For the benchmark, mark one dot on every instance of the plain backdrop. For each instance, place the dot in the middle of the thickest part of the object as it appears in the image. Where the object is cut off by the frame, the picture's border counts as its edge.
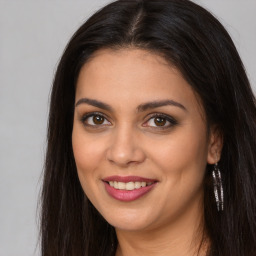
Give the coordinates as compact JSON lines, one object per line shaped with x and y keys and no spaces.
{"x":33,"y":35}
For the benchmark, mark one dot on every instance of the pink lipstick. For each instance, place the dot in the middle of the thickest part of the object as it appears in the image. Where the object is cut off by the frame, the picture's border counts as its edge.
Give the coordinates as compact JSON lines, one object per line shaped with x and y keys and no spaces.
{"x":128,"y":188}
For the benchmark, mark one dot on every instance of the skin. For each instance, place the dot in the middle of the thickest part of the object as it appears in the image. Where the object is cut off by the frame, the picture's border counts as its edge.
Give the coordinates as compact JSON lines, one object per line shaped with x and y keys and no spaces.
{"x":169,"y":219}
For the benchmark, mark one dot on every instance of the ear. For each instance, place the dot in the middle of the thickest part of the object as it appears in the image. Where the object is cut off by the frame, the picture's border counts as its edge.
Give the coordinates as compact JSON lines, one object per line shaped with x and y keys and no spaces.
{"x":215,"y":145}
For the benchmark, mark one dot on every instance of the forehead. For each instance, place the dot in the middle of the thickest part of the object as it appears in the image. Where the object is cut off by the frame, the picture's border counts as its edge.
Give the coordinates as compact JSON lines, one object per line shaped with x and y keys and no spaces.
{"x":125,"y":66}
{"x":132,"y":76}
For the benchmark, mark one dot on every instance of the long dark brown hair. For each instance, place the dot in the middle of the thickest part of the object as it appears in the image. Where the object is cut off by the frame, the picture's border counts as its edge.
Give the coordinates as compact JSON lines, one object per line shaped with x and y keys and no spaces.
{"x":193,"y":41}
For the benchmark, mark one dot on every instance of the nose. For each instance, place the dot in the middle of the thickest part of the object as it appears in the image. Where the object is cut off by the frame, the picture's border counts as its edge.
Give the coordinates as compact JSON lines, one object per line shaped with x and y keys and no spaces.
{"x":125,"y":148}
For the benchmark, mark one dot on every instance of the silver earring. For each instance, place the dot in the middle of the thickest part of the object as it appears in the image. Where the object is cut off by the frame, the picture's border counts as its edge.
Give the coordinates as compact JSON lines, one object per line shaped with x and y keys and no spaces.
{"x":218,"y":188}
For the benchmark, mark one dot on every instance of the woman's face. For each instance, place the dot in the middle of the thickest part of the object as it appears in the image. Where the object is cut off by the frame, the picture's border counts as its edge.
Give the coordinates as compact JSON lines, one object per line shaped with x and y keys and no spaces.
{"x":140,"y":140}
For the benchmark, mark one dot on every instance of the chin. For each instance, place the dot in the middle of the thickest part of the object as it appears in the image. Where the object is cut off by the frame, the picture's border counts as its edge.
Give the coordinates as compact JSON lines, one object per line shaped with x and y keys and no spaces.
{"x":129,"y":221}
{"x":128,"y":226}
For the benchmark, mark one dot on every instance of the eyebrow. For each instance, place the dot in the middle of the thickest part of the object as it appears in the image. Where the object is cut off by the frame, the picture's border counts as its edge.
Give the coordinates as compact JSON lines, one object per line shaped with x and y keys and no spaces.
{"x":140,"y":108}
{"x":94,"y":103}
{"x":159,"y":103}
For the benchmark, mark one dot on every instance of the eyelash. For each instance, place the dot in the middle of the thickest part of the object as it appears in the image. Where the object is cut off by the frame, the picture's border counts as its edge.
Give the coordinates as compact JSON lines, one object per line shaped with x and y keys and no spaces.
{"x":171,"y":120}
{"x":94,"y":114}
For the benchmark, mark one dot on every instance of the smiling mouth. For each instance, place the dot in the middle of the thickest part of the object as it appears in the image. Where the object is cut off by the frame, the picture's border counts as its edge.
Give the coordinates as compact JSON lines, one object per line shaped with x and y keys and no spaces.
{"x":128,"y":188}
{"x":129,"y":185}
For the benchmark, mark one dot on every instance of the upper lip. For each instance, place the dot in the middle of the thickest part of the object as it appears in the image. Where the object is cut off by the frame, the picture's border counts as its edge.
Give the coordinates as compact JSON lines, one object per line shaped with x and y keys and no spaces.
{"x":128,"y":179}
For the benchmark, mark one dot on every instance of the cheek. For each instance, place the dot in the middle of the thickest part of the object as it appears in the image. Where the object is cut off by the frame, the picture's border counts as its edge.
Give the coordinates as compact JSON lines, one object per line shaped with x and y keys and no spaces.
{"x":182,"y":162}
{"x":87,"y":154}
{"x":183,"y":156}
{"x":88,"y":151}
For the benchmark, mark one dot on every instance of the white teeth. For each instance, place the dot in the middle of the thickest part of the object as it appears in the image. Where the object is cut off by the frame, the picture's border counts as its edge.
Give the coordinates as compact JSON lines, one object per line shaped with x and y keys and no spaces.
{"x":121,"y":185}
{"x":143,"y":184}
{"x":129,"y":185}
{"x":116,"y":184}
{"x":137,"y":184}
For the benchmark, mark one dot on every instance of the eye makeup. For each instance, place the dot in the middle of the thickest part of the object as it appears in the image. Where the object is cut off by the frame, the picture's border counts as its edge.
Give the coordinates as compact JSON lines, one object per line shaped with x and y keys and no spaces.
{"x":160,"y":121}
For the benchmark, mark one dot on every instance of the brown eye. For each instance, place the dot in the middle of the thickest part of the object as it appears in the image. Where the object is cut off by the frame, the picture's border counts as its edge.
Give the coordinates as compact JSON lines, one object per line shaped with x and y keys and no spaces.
{"x":98,"y":119}
{"x":159,"y":121}
{"x":95,"y":120}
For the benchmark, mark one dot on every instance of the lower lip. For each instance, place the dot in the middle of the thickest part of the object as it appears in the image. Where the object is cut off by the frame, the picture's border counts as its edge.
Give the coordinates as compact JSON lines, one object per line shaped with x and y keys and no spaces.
{"x":128,"y":195}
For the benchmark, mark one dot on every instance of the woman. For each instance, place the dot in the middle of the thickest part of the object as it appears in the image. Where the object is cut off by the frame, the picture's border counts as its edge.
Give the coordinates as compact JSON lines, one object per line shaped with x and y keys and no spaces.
{"x":151,"y":139}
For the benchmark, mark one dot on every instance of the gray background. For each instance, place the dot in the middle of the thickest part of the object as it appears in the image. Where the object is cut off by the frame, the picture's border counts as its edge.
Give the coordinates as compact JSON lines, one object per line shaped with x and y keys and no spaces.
{"x":33,"y":35}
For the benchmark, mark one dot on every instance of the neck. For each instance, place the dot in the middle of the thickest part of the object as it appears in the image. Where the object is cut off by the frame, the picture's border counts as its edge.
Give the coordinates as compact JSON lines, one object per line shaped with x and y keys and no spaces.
{"x":183,"y":237}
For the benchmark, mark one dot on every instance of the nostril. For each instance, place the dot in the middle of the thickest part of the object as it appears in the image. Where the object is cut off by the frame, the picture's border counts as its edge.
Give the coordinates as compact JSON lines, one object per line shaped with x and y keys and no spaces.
{"x":124,"y":156}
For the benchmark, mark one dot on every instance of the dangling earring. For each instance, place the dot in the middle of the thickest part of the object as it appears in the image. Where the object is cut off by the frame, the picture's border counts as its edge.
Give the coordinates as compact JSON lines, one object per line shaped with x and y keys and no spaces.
{"x":218,"y":188}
